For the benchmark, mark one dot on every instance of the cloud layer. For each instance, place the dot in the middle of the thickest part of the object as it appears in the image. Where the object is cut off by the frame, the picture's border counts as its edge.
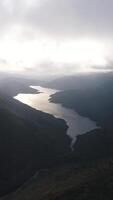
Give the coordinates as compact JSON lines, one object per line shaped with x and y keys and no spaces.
{"x":25,"y":22}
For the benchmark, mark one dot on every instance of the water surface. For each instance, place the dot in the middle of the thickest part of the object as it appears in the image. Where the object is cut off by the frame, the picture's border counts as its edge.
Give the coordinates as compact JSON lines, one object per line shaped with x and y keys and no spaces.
{"x":77,"y":124}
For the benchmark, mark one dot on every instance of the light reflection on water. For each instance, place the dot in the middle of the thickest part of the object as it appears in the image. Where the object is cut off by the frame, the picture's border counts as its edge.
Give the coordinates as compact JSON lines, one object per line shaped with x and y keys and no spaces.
{"x":77,"y":124}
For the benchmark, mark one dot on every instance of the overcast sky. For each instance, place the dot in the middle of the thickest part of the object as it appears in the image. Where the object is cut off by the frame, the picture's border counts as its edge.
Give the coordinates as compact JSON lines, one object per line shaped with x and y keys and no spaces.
{"x":56,"y":36}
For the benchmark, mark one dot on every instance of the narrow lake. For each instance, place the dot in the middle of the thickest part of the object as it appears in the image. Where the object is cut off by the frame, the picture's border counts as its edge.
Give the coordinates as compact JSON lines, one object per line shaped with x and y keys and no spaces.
{"x":77,"y":124}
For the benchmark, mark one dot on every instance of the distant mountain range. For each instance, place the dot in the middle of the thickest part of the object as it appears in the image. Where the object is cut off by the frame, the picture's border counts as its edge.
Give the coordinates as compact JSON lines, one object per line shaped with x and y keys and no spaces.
{"x":81,"y":81}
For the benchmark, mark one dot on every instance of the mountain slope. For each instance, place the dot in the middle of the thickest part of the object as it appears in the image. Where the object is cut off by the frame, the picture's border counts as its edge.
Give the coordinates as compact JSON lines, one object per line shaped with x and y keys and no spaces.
{"x":96,"y":103}
{"x":27,"y":143}
{"x":80,"y":81}
{"x":70,"y":182}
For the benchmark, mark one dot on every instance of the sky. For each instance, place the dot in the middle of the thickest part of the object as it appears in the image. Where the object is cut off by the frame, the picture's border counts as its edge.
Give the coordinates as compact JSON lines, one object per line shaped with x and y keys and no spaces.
{"x":62,"y":37}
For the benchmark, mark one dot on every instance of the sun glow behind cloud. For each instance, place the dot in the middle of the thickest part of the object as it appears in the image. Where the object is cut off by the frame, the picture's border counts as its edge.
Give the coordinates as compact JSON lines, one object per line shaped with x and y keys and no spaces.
{"x":60,"y":36}
{"x":83,"y":51}
{"x":27,"y":54}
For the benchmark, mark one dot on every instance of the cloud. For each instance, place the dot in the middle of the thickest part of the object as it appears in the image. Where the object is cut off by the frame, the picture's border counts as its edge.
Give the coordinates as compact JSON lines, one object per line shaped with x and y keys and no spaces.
{"x":25,"y":21}
{"x":59,"y":18}
{"x":69,"y":18}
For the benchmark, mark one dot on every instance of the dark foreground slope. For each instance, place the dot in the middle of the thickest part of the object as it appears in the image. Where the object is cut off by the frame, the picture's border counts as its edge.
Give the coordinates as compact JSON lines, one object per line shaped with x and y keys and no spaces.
{"x":29,"y":140}
{"x":93,"y":181}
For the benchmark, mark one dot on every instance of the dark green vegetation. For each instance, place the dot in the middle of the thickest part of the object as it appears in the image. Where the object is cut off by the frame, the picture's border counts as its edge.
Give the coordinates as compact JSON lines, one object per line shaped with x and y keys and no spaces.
{"x":32,"y":141}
